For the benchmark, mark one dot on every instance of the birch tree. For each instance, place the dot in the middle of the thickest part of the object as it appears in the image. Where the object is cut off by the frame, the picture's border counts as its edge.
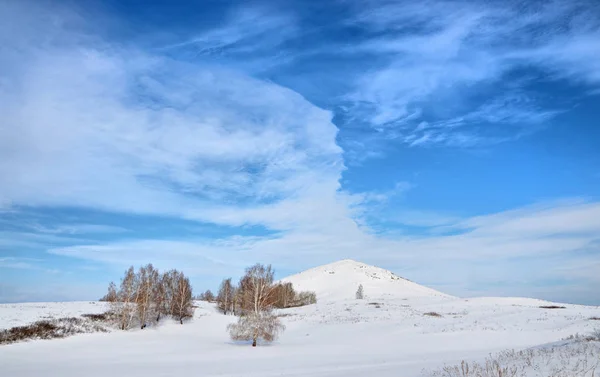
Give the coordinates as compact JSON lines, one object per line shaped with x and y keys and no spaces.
{"x":128,"y":293}
{"x":225,"y":296}
{"x":147,"y":282}
{"x":260,"y":287}
{"x":111,"y":295}
{"x":182,"y":298}
{"x":256,"y":320}
{"x":159,"y":296}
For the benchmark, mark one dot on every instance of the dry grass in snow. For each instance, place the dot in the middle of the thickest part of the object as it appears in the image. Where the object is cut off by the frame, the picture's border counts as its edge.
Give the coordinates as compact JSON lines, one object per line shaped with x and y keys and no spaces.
{"x":574,"y":358}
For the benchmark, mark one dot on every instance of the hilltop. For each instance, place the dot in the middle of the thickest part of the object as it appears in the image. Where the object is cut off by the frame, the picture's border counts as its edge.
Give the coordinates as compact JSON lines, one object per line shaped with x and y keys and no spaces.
{"x":340,"y":280}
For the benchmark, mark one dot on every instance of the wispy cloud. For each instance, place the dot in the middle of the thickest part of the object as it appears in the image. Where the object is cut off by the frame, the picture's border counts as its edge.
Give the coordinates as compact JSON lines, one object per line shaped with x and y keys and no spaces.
{"x":249,"y":37}
{"x":140,"y":133}
{"x":91,"y":123}
{"x":21,"y":263}
{"x":419,"y":62}
{"x":436,"y":54}
{"x":545,"y":235}
{"x":78,"y":229}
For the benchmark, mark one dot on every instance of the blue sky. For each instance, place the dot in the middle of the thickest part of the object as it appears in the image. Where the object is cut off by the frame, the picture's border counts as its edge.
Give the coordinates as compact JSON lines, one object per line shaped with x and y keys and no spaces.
{"x":455,"y":143}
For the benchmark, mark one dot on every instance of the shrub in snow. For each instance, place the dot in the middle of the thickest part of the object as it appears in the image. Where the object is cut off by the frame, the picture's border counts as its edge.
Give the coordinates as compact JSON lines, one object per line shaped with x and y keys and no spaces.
{"x":105,"y":317}
{"x":49,"y":329}
{"x":359,"y":293}
{"x":305,"y":298}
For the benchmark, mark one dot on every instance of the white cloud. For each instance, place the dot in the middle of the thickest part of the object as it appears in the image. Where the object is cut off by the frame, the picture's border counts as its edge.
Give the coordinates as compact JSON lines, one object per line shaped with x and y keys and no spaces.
{"x":244,"y":30}
{"x":86,"y":123}
{"x":92,"y":124}
{"x":519,"y":247}
{"x":22,"y":263}
{"x":79,"y":229}
{"x":434,"y":55}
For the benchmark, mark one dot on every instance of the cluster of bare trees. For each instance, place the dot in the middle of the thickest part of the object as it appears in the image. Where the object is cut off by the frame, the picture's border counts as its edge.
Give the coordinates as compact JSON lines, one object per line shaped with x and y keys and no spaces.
{"x":254,"y":299}
{"x":206,"y":296}
{"x":238,"y":299}
{"x":145,"y":296}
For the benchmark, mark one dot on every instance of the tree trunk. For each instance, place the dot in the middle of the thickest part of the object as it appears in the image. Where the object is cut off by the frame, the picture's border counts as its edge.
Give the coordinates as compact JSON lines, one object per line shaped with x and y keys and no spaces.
{"x":254,"y":342}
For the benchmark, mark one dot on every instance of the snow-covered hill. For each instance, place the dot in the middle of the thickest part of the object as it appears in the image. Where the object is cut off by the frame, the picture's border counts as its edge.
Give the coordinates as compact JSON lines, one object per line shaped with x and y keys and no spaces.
{"x":401,"y":329}
{"x":340,"y":280}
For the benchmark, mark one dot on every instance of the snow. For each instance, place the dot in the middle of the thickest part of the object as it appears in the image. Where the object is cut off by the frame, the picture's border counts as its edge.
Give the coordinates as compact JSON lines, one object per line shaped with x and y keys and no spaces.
{"x":340,"y":280}
{"x":387,"y":333}
{"x":12,"y":315}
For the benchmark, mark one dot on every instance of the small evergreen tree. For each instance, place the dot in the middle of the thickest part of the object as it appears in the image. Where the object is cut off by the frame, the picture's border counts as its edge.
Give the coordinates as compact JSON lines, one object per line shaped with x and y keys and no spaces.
{"x":359,"y":293}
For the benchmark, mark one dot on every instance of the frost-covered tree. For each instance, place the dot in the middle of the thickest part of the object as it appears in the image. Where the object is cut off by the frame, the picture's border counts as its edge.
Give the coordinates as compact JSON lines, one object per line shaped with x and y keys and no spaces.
{"x":256,"y":297}
{"x":360,"y":293}
{"x":256,"y":325}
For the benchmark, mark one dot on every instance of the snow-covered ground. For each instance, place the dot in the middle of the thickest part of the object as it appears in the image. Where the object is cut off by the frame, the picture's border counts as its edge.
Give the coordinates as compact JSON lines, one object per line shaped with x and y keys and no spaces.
{"x":387,"y":333}
{"x":12,"y":315}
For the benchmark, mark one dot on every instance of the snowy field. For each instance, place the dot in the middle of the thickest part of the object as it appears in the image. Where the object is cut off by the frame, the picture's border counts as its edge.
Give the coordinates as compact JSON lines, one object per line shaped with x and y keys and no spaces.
{"x":12,"y":315}
{"x":387,"y":333}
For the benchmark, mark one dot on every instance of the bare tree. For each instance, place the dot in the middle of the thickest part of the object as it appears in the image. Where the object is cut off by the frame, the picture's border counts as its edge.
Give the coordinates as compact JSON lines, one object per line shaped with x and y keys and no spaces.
{"x":111,"y":295}
{"x":260,"y":287}
{"x":359,"y":293}
{"x":208,"y":296}
{"x":169,"y":281}
{"x":254,"y":326}
{"x":148,"y":295}
{"x":159,"y":296}
{"x":237,"y":299}
{"x":147,"y":281}
{"x":284,"y":295}
{"x":243,"y":296}
{"x":127,"y":296}
{"x":182,"y":298}
{"x":225,"y":296}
